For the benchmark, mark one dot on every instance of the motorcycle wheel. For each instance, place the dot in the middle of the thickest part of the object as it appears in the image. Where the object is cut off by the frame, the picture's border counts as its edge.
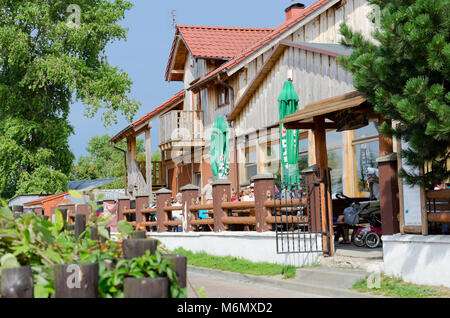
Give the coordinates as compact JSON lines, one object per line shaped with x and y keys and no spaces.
{"x":357,"y":240}
{"x":372,"y":240}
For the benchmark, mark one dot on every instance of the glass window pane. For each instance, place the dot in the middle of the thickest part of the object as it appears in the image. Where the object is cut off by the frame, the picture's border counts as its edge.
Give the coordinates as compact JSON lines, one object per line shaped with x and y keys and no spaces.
{"x":303,"y":145}
{"x":251,"y":171}
{"x":367,"y":131}
{"x":335,"y":162}
{"x":302,"y":163}
{"x":334,"y":139}
{"x":250,"y":155}
{"x":366,"y":155}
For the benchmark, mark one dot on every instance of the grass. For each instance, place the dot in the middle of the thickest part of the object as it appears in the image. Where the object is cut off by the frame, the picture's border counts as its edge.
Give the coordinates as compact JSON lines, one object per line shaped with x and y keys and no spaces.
{"x":237,"y":265}
{"x":397,"y":288}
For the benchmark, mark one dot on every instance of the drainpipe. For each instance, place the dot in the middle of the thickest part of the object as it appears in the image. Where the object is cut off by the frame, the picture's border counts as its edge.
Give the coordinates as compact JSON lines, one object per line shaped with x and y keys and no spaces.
{"x":236,"y":166}
{"x":124,"y":164}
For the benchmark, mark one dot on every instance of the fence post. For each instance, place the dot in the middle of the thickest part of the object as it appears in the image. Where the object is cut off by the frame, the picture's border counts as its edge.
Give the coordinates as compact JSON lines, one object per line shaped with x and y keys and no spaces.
{"x":17,"y":282}
{"x":146,"y":287}
{"x":221,"y":193}
{"x":76,"y":280}
{"x":142,"y":200}
{"x":180,"y":264}
{"x":133,"y":248}
{"x":264,"y":187}
{"x":162,"y":196}
{"x":80,"y":225}
{"x":124,"y":204}
{"x":190,"y":192}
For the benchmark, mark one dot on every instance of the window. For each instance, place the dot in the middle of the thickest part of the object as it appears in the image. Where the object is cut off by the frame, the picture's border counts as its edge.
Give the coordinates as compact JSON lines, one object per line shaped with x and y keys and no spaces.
{"x":366,"y":150}
{"x":303,"y":161}
{"x":272,"y":162}
{"x":222,"y":96}
{"x":335,"y":160}
{"x":251,"y":167}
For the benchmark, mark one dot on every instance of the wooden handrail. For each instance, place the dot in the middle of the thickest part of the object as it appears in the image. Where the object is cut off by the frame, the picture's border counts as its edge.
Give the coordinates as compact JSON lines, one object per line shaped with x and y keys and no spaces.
{"x":443,"y":217}
{"x":148,"y":211}
{"x":287,"y":219}
{"x":438,"y":194}
{"x":250,"y":220}
{"x":202,"y":222}
{"x":173,"y":208}
{"x":238,"y":205}
{"x":126,"y":212}
{"x":201,"y":207}
{"x":284,"y":203}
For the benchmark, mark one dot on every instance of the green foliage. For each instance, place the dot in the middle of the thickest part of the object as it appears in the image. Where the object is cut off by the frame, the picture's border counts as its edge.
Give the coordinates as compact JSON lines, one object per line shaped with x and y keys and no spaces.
{"x":43,"y":180}
{"x":237,"y":265}
{"x":395,"y":287}
{"x":103,"y":161}
{"x":40,"y":244}
{"x":146,"y":266}
{"x":45,"y":65}
{"x":405,"y":75}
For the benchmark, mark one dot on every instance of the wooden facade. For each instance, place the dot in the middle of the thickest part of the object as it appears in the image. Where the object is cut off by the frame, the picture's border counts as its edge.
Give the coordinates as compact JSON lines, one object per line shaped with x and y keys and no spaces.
{"x":253,"y":85}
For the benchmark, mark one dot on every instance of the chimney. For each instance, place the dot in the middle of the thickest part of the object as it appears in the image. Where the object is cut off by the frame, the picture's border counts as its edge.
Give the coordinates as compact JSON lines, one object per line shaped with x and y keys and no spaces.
{"x":294,"y":10}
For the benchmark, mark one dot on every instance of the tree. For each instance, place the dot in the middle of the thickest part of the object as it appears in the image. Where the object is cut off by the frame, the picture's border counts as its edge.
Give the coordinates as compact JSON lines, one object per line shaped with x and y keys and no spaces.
{"x":50,"y":58}
{"x":102,"y":160}
{"x":42,"y":181}
{"x":404,"y":73}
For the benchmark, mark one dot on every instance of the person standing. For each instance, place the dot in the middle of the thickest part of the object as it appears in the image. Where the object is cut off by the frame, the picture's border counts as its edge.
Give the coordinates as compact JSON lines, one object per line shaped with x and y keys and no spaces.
{"x":207,"y":191}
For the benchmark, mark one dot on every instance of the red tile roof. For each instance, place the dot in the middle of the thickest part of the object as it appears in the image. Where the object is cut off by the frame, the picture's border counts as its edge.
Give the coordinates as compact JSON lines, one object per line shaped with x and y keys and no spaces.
{"x":215,"y":42}
{"x":285,"y":26}
{"x":220,"y":42}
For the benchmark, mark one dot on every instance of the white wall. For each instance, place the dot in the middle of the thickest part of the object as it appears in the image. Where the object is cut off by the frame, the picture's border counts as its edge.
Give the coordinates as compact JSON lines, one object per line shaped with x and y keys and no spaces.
{"x":255,"y":247}
{"x":418,"y":259}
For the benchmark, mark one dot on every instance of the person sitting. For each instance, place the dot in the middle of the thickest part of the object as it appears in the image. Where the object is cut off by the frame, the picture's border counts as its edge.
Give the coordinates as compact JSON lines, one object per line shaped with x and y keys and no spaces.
{"x":207,"y":191}
{"x":177,"y":214}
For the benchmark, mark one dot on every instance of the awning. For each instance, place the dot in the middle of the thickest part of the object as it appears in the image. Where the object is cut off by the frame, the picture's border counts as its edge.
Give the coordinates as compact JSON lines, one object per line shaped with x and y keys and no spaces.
{"x":330,"y":108}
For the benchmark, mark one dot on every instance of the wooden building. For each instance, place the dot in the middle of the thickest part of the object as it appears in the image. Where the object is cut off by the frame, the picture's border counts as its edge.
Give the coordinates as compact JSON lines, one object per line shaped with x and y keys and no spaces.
{"x":238,"y":73}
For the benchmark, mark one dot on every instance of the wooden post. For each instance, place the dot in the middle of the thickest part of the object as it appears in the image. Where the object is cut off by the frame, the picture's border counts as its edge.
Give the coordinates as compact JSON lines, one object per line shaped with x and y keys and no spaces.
{"x":148,"y":159}
{"x":142,"y":201}
{"x":190,"y":192}
{"x":133,"y":248}
{"x":17,"y":282}
{"x":389,"y":200}
{"x":80,"y":225}
{"x":146,"y":287}
{"x":180,"y":265}
{"x":124,"y":204}
{"x":264,"y":184}
{"x":76,"y":280}
{"x":139,"y":235}
{"x":162,"y":196}
{"x":320,"y":146}
{"x":221,"y":192}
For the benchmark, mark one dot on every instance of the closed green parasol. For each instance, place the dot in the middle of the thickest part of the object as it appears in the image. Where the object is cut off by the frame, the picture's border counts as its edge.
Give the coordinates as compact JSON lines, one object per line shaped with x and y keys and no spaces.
{"x":288,"y":104}
{"x":220,"y":149}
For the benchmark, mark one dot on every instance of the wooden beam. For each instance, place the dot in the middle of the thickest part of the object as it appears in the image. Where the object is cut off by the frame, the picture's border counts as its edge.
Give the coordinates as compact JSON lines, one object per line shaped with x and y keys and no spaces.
{"x":148,"y":159}
{"x":386,"y":143}
{"x":300,"y":125}
{"x":177,"y":71}
{"x":320,"y":145}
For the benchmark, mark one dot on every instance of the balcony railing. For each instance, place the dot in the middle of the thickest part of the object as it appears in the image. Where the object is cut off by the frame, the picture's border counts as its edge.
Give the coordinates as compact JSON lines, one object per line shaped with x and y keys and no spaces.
{"x":181,"y":126}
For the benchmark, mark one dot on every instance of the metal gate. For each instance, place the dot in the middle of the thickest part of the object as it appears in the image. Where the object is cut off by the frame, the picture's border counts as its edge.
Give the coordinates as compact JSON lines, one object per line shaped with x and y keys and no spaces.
{"x":301,"y":225}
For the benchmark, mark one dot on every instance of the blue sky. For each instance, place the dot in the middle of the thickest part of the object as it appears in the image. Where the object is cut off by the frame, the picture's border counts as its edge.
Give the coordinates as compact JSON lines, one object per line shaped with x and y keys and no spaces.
{"x":145,"y":53}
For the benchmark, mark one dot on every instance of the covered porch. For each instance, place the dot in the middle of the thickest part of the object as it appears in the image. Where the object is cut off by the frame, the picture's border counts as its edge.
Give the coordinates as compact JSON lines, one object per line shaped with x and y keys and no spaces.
{"x":348,"y":112}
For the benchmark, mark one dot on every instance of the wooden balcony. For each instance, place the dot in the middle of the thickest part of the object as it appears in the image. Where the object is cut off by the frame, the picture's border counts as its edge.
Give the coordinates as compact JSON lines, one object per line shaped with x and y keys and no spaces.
{"x":180,"y":128}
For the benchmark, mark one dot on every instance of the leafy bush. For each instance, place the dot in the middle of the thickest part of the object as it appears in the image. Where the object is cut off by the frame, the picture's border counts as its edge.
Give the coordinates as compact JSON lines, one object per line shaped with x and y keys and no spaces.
{"x":32,"y":241}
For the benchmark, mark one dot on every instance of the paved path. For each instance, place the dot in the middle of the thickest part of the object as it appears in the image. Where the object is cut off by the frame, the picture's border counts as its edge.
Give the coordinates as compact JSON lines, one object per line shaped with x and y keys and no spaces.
{"x":220,"y":287}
